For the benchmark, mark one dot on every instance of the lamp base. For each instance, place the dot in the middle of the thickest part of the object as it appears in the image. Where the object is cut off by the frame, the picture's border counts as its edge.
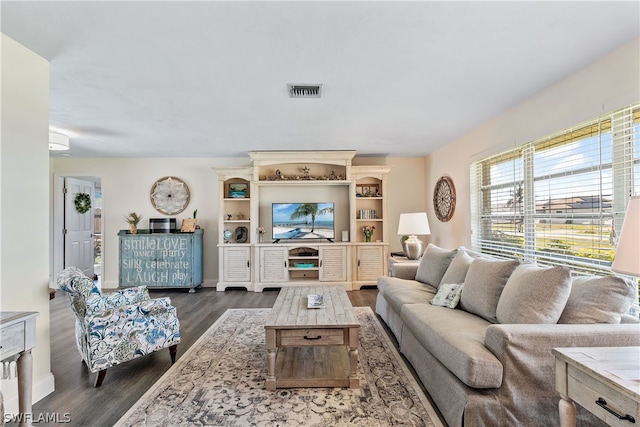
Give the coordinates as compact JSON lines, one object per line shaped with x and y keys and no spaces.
{"x":413,"y":247}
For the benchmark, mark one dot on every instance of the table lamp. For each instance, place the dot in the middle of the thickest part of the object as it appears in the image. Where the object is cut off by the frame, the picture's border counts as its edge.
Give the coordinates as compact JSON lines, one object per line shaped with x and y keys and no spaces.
{"x":412,"y":224}
{"x":627,"y":258}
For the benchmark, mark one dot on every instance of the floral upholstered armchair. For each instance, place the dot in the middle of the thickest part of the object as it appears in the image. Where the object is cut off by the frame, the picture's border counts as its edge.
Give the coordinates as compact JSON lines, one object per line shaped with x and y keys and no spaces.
{"x":120,"y":326}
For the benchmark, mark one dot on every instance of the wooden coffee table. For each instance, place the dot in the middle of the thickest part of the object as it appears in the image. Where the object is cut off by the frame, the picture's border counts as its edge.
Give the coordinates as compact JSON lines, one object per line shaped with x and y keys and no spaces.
{"x":312,"y":347}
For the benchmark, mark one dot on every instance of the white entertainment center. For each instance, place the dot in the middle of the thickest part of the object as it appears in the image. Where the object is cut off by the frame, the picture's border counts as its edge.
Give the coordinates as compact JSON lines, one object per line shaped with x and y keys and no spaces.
{"x":255,"y":261}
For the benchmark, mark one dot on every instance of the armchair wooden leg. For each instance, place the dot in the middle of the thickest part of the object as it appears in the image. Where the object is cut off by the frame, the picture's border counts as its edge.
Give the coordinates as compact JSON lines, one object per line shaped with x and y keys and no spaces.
{"x":100,"y":377}
{"x":173,"y":350}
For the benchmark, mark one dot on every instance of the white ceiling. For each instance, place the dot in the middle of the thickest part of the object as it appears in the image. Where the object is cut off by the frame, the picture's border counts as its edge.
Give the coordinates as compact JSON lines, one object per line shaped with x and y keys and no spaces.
{"x":209,"y":78}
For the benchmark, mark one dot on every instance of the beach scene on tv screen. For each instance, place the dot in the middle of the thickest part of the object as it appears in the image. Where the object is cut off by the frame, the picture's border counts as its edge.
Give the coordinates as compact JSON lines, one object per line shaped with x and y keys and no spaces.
{"x":303,"y":221}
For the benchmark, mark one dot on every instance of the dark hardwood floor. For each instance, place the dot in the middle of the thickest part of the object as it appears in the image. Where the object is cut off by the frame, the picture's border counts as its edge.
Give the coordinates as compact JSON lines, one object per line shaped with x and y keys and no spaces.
{"x":76,"y":399}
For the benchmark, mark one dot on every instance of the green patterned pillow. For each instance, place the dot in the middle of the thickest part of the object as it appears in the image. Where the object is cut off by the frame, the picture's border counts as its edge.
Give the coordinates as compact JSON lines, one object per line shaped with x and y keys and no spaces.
{"x":448,"y":295}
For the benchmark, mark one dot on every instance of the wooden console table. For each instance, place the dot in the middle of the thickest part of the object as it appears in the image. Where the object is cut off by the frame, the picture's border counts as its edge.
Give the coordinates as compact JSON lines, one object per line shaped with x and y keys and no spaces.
{"x":603,"y":380}
{"x":17,"y":338}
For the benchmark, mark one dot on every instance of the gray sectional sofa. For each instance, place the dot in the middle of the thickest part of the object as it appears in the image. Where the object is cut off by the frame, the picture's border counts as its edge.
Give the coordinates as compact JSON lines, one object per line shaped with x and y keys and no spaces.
{"x":488,"y":360}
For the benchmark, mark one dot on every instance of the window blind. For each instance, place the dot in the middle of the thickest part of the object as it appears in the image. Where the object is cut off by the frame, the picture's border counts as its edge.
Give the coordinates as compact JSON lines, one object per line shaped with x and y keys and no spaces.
{"x":560,"y":200}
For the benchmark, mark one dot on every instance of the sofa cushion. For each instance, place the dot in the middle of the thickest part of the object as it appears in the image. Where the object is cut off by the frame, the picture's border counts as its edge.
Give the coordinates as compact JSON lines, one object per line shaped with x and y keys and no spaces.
{"x":399,"y":292}
{"x":448,"y":295}
{"x":534,"y":294}
{"x":434,"y":264}
{"x":483,"y":285}
{"x":457,"y":270}
{"x":456,"y":339}
{"x":598,"y":300}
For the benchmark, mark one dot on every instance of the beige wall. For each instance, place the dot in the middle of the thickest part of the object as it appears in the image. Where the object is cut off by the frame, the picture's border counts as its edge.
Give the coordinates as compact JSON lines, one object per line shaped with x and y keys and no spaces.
{"x":606,"y":85}
{"x":126,"y":184}
{"x":24,"y":203}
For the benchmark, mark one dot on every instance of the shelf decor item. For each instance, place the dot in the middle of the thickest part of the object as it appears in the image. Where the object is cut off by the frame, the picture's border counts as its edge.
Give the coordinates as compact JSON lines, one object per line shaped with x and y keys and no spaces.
{"x":367,"y":230}
{"x":261,"y":232}
{"x":241,"y":234}
{"x":238,"y":190}
{"x":412,"y":224}
{"x":133,"y":219}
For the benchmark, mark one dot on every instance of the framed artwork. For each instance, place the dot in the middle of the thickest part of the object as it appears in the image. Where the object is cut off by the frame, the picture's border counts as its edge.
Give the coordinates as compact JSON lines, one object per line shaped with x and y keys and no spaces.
{"x":238,"y":190}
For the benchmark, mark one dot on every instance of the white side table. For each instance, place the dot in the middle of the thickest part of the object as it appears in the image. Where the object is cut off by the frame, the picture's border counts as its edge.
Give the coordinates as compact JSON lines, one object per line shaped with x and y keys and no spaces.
{"x":17,"y":338}
{"x":603,"y":380}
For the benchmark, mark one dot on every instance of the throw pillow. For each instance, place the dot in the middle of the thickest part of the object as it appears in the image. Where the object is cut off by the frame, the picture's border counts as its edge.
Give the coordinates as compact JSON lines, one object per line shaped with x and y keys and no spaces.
{"x":483,"y":285}
{"x":448,"y":295}
{"x":534,"y":294}
{"x":433,"y":265}
{"x":598,"y":300}
{"x":458,"y":268}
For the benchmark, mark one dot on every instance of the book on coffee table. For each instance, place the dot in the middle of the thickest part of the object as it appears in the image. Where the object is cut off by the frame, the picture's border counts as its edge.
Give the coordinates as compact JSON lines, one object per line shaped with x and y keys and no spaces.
{"x":315,"y":301}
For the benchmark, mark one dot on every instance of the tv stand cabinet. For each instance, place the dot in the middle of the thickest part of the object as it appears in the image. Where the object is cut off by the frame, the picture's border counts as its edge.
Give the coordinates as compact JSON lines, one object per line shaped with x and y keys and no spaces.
{"x":302,"y":264}
{"x":246,"y":195}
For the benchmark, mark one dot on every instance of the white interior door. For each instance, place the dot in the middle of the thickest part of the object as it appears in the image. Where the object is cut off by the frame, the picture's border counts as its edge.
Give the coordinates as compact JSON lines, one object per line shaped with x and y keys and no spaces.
{"x":78,"y":227}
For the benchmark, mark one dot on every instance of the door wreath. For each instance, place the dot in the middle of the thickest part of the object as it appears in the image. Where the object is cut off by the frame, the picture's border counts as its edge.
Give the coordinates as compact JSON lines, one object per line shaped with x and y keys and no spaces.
{"x":82,"y":202}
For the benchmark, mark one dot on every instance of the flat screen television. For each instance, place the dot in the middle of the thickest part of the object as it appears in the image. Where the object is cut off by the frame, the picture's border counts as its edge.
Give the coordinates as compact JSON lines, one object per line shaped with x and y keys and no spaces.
{"x":302,"y":221}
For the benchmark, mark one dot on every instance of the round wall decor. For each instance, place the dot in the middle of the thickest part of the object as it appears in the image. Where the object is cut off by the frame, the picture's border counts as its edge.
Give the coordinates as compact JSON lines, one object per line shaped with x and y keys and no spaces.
{"x":444,"y":198}
{"x":170,"y":195}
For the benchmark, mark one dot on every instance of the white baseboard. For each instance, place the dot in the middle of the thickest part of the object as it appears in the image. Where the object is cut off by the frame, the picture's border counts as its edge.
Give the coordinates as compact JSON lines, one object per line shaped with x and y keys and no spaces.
{"x":41,"y":389}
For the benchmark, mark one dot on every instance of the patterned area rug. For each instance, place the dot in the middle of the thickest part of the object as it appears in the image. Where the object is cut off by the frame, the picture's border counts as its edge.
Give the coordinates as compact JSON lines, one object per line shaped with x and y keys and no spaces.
{"x":220,"y":381}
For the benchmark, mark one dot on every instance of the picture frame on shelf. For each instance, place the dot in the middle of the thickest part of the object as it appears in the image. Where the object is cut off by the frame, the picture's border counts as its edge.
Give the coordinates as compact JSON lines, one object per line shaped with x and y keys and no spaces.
{"x":238,"y":190}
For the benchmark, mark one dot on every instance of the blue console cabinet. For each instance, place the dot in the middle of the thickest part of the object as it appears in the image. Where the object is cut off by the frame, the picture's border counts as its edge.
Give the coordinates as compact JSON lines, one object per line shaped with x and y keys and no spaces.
{"x":161,"y":260}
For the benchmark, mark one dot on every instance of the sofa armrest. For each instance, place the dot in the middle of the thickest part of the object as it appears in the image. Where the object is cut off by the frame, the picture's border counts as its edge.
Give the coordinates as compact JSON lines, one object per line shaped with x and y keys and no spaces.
{"x":533,"y":341}
{"x":525,"y":352}
{"x":404,"y":270}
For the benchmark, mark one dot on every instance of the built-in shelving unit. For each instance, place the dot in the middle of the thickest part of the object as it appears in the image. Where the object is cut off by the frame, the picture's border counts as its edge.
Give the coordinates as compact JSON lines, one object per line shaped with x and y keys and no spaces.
{"x":246,"y":198}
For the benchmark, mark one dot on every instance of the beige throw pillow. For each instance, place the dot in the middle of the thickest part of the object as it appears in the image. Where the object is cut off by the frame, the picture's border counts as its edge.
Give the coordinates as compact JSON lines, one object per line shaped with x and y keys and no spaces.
{"x":598,"y":300}
{"x":433,"y":265}
{"x":458,"y":268}
{"x":534,"y":294}
{"x":483,"y":285}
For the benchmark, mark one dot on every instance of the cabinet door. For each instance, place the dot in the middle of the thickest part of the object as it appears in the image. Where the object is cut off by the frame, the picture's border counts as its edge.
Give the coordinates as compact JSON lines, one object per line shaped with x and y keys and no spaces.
{"x":237,"y":264}
{"x":159,"y":260}
{"x":273,"y":264}
{"x":369,"y":262}
{"x":333,"y":264}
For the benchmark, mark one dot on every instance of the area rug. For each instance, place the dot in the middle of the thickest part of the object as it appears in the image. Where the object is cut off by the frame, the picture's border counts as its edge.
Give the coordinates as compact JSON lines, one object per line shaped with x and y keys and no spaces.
{"x":220,"y":381}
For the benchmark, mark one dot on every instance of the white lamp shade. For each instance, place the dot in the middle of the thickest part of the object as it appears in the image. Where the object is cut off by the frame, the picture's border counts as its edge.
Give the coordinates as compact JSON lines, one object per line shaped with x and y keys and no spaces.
{"x":627,"y":259}
{"x":58,"y":141}
{"x":413,"y":223}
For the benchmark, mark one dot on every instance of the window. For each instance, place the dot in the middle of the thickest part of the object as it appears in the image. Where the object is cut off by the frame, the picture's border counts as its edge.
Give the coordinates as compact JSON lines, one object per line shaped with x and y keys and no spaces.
{"x":560,"y":200}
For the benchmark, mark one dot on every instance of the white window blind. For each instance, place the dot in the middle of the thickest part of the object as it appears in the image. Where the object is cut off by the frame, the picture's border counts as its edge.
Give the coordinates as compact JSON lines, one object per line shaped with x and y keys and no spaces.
{"x":560,"y":200}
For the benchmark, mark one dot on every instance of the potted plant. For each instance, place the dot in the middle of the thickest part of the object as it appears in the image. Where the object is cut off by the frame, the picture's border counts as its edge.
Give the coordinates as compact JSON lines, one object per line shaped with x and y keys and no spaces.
{"x":133,"y":219}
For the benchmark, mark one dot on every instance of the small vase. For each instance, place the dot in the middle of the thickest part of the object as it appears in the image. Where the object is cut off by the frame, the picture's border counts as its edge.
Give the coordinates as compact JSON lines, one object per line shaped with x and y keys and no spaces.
{"x":367,"y":238}
{"x":261,"y":237}
{"x":133,"y":229}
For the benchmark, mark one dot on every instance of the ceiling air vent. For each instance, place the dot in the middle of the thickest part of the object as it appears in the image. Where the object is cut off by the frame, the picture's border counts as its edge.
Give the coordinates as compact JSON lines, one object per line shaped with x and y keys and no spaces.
{"x":304,"y":91}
